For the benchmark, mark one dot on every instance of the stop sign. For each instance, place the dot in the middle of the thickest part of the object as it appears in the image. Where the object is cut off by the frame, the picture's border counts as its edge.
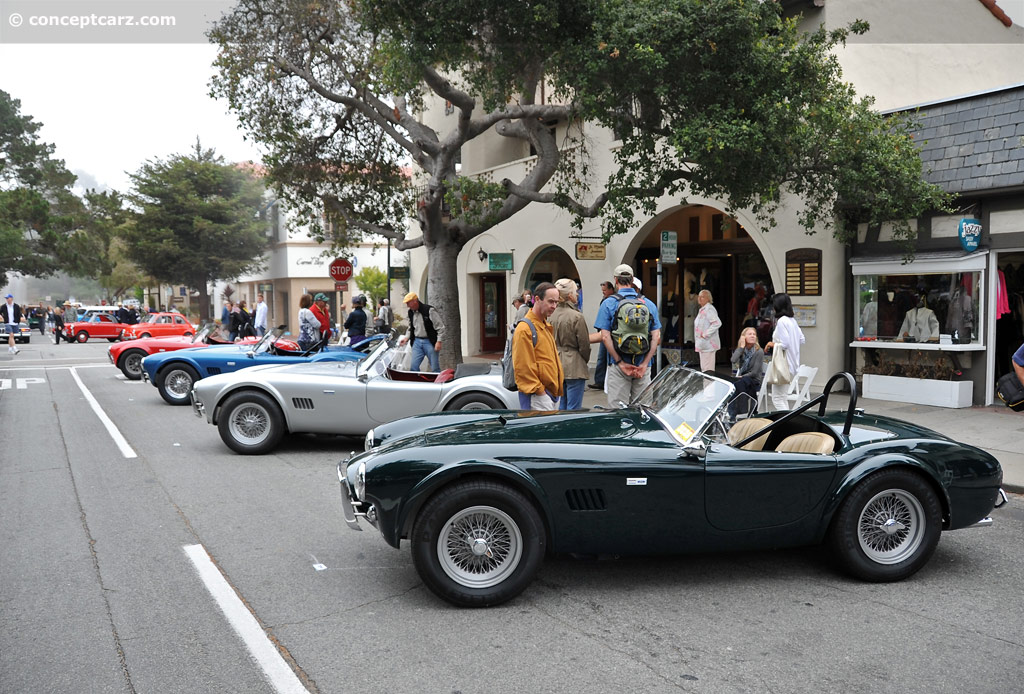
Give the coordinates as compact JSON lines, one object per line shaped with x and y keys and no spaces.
{"x":341,"y":270}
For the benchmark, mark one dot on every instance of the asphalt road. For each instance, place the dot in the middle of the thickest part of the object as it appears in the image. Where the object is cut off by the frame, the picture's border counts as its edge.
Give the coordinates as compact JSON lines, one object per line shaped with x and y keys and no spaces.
{"x":99,"y":591}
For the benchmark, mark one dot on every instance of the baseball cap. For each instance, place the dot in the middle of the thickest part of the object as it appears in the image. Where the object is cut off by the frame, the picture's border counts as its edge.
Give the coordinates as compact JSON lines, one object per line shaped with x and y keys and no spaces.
{"x":320,"y":297}
{"x":411,"y":296}
{"x":623,"y":269}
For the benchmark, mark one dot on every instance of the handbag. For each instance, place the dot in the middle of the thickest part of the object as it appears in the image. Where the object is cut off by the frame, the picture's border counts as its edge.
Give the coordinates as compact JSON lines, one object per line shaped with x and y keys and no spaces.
{"x":778,"y":370}
{"x":1010,"y":391}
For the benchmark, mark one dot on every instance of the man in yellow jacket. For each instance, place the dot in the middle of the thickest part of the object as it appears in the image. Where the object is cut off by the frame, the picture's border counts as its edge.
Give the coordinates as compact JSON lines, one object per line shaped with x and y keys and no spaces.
{"x":537,"y":367}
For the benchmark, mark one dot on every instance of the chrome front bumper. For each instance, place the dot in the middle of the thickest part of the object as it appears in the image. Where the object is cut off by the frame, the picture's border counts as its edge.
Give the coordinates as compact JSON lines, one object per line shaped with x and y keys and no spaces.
{"x":198,"y":408}
{"x":351,"y":507}
{"x":986,"y":522}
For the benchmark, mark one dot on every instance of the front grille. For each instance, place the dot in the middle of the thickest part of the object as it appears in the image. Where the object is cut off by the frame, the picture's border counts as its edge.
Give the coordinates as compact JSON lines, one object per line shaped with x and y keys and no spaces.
{"x":302,"y":403}
{"x":585,"y":499}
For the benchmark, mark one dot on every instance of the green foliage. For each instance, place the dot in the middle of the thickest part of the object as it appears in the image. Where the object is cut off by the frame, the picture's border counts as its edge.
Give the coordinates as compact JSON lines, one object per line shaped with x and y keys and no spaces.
{"x":37,"y":207}
{"x":197,"y":220}
{"x":373,"y":284}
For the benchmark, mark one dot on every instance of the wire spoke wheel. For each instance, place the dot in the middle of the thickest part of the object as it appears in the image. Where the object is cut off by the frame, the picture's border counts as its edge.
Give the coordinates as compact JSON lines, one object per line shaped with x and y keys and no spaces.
{"x":250,"y":424}
{"x":178,"y":384}
{"x":891,"y":526}
{"x":133,"y":364}
{"x":480,"y":546}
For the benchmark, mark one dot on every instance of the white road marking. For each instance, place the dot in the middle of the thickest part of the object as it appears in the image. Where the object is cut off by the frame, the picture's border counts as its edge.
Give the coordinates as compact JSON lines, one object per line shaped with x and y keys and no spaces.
{"x":112,"y":429}
{"x":44,"y":367}
{"x":278,"y":674}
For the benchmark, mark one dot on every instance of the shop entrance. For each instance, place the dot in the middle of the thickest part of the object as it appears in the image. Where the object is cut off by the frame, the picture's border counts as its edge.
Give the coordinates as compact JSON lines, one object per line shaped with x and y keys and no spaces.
{"x":715,"y":253}
{"x":492,"y":313}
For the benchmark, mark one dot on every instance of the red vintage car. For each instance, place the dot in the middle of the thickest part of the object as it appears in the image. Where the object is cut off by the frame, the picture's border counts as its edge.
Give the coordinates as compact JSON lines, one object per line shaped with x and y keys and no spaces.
{"x":169,"y":324}
{"x":127,"y":356}
{"x":98,"y":325}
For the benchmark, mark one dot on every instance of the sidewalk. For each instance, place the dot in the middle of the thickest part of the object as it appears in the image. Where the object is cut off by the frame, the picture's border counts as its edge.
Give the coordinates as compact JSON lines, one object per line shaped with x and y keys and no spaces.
{"x":996,"y":429}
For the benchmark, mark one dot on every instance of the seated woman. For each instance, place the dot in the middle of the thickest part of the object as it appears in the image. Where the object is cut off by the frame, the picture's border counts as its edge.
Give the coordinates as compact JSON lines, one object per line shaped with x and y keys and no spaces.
{"x":749,"y":359}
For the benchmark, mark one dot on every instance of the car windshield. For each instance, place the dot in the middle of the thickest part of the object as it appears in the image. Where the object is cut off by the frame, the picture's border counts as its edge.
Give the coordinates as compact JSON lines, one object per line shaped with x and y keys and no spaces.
{"x":684,"y":401}
{"x":201,"y":334}
{"x":264,"y":343}
{"x":379,"y":358}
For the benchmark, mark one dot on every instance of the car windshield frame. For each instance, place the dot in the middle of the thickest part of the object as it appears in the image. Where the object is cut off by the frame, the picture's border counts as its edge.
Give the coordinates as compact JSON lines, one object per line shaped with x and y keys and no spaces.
{"x":204,"y":330}
{"x":263,"y":345}
{"x":376,"y":357}
{"x":685,"y":402}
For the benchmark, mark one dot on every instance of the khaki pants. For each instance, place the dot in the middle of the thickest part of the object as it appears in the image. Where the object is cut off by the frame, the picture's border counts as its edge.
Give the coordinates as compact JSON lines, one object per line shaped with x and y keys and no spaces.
{"x":621,"y":387}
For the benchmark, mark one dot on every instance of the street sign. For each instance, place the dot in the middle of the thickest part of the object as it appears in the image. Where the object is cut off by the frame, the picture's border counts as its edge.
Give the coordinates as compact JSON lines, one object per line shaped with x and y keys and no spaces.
{"x":590,"y":251}
{"x":399,"y":272}
{"x":341,"y":270}
{"x":499,"y":262}
{"x":341,"y":286}
{"x":668,"y":248}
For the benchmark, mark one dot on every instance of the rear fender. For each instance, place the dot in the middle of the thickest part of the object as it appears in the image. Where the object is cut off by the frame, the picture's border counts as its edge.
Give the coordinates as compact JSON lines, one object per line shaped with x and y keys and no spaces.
{"x":868,"y":467}
{"x":449,"y":474}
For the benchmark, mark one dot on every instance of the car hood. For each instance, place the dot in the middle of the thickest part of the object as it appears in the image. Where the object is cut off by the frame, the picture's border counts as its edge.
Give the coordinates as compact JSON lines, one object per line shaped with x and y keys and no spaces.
{"x":474,"y":427}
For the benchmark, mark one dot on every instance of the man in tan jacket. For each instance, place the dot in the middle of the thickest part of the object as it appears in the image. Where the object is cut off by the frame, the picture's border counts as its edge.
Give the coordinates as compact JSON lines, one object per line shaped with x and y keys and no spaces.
{"x":537,"y":367}
{"x":573,"y":343}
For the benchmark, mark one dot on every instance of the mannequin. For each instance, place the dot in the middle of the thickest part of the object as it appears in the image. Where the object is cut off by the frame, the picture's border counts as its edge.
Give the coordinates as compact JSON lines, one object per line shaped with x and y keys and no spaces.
{"x":920,"y":324}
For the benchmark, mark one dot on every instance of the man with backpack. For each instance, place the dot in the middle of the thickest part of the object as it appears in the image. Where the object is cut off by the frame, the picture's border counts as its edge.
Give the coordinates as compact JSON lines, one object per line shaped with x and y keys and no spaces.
{"x":535,"y":360}
{"x":630,"y":331}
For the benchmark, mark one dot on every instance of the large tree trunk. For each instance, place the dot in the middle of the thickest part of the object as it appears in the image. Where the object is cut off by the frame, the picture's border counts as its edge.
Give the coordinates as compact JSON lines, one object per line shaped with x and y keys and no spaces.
{"x":204,"y":300}
{"x":443,"y":293}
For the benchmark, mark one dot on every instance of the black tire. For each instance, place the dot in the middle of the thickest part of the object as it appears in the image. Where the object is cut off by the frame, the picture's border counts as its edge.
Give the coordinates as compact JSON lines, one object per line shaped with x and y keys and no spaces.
{"x":82,"y":336}
{"x":130,"y":364}
{"x":508,"y":548}
{"x":250,"y":423}
{"x":475,"y":401}
{"x":144,"y":336}
{"x":186,"y":334}
{"x":113,"y":339}
{"x":175,"y":382}
{"x":887,"y":527}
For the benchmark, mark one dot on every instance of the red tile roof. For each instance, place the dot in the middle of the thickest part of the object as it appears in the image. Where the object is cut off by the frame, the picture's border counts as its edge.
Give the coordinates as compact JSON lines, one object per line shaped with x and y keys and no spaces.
{"x":998,"y":12}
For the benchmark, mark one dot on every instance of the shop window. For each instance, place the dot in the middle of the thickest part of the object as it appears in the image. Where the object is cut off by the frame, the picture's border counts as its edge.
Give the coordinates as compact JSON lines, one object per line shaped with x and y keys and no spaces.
{"x":803,"y":272}
{"x":936,"y":308}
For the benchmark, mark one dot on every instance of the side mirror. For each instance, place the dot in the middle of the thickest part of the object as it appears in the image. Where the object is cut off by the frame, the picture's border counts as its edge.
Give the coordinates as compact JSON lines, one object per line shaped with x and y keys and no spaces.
{"x":694,"y":449}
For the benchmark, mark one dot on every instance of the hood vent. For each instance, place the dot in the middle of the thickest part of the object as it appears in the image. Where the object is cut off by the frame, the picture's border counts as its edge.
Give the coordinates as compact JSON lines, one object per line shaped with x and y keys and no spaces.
{"x":302,"y":403}
{"x":585,"y":499}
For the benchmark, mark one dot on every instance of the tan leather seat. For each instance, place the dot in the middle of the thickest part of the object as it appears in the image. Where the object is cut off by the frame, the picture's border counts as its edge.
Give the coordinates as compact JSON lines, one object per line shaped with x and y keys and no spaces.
{"x":813,"y":442}
{"x":744,"y":428}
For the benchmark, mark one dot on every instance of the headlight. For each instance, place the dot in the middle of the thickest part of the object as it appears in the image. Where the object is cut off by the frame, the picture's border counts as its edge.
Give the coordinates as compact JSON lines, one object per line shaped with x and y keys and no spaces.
{"x":361,"y":481}
{"x":368,"y":441}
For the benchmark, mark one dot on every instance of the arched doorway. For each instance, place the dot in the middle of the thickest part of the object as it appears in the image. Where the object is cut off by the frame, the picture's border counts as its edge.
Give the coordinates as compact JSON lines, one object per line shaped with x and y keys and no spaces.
{"x":550,"y":263}
{"x":715,"y":253}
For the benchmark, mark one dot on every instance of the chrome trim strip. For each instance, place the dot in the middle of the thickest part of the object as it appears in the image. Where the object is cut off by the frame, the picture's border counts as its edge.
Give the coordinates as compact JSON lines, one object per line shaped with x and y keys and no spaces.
{"x":1004,"y":502}
{"x":983,"y":523}
{"x":347,"y":509}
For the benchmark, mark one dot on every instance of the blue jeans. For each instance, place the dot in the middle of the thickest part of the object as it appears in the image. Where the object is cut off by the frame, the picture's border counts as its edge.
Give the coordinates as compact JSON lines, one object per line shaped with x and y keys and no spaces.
{"x":261,"y":331}
{"x":573,"y":398}
{"x":421,"y":348}
{"x":602,"y":365}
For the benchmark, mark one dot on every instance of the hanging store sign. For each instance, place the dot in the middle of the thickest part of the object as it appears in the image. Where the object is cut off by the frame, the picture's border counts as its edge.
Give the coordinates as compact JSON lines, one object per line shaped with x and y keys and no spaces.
{"x":499,"y":262}
{"x":590,"y":251}
{"x":970,"y":234}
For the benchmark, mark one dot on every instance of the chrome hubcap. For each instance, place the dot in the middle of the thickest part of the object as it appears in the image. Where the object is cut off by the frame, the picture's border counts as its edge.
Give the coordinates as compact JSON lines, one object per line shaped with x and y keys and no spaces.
{"x":479,"y":547}
{"x":891,"y":526}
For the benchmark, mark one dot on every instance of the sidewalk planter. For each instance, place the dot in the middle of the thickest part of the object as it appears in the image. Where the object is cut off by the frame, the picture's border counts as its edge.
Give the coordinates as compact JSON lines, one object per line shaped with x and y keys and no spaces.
{"x":921,"y":391}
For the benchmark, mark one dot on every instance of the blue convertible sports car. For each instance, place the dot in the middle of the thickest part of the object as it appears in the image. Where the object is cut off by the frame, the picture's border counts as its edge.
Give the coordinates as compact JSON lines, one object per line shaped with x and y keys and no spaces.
{"x":173,"y":373}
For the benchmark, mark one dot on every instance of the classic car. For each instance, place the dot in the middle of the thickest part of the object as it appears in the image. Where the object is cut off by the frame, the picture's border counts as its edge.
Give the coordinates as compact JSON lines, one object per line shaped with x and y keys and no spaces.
{"x":255,"y":408}
{"x":128,"y":356}
{"x":100,"y":324}
{"x":23,"y":333}
{"x":173,"y":373}
{"x":159,"y":325}
{"x":483,"y":496}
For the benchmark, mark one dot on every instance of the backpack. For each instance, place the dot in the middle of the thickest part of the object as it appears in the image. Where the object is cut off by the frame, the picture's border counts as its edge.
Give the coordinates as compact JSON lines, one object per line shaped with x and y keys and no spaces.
{"x":1010,"y":391}
{"x":632,"y":329}
{"x":508,"y":375}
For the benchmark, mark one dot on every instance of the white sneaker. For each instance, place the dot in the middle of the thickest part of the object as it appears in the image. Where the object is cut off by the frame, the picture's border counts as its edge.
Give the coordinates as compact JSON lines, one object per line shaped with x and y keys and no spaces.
{"x":15,"y":350}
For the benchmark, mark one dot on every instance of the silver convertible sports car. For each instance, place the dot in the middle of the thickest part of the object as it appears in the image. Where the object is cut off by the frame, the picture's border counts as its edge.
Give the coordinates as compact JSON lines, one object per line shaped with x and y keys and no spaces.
{"x":255,"y":407}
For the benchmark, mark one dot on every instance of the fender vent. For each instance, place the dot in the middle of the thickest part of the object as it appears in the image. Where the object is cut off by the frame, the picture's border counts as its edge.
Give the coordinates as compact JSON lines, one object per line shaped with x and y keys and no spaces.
{"x":585,"y":499}
{"x":302,"y":403}
{"x":213,"y":370}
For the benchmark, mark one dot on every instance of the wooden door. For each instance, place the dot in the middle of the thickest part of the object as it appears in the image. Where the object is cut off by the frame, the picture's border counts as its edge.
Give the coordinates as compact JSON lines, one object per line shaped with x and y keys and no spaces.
{"x":493,"y":314}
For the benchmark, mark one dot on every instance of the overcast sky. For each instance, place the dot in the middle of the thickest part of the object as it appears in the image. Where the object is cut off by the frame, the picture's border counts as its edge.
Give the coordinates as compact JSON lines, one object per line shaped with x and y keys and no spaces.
{"x":110,"y":107}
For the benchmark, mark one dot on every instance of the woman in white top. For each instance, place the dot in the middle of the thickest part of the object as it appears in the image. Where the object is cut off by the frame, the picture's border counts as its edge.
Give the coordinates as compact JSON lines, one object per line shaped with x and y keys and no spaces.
{"x":705,"y":331}
{"x":309,"y":324}
{"x":789,"y":337}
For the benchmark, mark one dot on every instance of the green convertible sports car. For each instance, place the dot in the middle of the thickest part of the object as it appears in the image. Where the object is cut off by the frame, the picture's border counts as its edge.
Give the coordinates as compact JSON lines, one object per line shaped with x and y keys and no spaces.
{"x":482,"y":496}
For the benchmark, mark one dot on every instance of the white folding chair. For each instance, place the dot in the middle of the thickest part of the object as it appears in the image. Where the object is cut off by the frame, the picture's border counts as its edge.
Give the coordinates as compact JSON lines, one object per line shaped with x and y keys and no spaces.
{"x":800,"y":389}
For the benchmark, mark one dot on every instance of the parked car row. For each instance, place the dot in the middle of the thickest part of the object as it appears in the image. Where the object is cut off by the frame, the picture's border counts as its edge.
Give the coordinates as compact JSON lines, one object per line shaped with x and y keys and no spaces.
{"x":104,"y":324}
{"x":483,"y":492}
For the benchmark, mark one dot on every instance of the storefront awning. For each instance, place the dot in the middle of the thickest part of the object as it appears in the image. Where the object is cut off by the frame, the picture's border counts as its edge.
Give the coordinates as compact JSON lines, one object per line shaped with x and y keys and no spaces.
{"x":935,"y":261}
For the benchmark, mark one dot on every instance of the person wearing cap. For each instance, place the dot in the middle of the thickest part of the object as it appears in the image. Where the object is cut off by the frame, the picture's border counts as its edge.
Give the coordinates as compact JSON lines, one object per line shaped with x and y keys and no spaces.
{"x":573,"y":342}
{"x":356,"y":321}
{"x":628,"y":374}
{"x":538,"y":368}
{"x":426,"y":332}
{"x":517,"y":303}
{"x":10,"y":313}
{"x":385,"y":317}
{"x":322,"y":313}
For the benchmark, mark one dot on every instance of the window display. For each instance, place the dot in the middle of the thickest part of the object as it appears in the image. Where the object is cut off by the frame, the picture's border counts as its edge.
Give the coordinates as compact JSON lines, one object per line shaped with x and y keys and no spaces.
{"x":939,"y":308}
